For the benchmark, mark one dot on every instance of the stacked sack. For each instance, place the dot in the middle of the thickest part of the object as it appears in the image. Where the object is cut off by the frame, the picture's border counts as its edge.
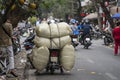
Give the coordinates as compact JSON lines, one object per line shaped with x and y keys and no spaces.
{"x":53,"y":36}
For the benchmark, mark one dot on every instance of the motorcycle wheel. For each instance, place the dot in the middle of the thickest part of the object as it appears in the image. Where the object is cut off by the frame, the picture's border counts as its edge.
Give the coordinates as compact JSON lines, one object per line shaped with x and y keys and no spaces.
{"x":52,"y":70}
{"x":85,"y":44}
{"x":16,"y":48}
{"x":106,"y":41}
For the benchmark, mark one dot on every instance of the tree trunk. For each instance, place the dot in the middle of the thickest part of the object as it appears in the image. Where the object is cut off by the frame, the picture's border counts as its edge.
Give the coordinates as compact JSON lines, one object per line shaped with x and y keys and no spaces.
{"x":15,"y":15}
{"x":79,"y":11}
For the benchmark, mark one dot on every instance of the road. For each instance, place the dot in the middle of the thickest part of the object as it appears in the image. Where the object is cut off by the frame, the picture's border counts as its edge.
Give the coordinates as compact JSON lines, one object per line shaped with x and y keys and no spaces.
{"x":96,"y":63}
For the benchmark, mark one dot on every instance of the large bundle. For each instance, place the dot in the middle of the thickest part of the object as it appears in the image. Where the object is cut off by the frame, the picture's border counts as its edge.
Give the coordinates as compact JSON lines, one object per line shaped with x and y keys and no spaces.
{"x":67,"y":57}
{"x":53,"y":36}
{"x":52,"y":43}
{"x":54,"y":30}
{"x":40,"y":57}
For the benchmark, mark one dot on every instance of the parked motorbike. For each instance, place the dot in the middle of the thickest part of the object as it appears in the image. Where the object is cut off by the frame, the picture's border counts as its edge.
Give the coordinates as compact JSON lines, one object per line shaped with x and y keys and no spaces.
{"x":74,"y":39}
{"x":4,"y":60}
{"x":107,"y":38}
{"x":16,"y":43}
{"x":28,"y":43}
{"x":87,"y":42}
{"x":54,"y":61}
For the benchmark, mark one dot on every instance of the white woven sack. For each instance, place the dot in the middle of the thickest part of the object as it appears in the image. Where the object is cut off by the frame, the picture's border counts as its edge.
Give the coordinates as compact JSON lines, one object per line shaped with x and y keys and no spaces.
{"x":54,"y":30}
{"x":40,"y":58}
{"x":42,"y":30}
{"x":64,"y":29}
{"x":62,"y":41}
{"x":68,"y":57}
{"x":55,"y":43}
{"x":41,"y":41}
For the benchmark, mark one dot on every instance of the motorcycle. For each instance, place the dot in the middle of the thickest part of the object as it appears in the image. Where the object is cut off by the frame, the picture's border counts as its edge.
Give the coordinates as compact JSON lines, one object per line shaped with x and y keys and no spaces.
{"x":107,"y":39}
{"x":28,"y":43}
{"x":54,"y":61}
{"x":16,"y":43}
{"x":74,"y":39}
{"x":4,"y":60}
{"x":87,"y":42}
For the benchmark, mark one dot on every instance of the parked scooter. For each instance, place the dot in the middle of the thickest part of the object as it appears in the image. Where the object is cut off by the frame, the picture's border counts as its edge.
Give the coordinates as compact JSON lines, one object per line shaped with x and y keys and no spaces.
{"x":4,"y":60}
{"x":16,"y":42}
{"x":54,"y":61}
{"x":107,"y":38}
{"x":28,"y":43}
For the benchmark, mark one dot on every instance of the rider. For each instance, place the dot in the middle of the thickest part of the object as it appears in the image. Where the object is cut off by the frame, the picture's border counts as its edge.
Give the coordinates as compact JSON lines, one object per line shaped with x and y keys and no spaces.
{"x":75,"y":31}
{"x":74,"y":27}
{"x":86,"y":28}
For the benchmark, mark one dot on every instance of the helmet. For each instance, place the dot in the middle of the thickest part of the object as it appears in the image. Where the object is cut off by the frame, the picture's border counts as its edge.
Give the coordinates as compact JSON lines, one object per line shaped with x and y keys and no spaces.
{"x":73,"y":21}
{"x":87,"y":21}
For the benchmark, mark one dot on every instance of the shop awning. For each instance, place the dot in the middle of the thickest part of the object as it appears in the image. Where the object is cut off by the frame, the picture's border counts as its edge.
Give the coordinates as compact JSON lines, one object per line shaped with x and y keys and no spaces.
{"x":114,"y":10}
{"x":91,"y":16}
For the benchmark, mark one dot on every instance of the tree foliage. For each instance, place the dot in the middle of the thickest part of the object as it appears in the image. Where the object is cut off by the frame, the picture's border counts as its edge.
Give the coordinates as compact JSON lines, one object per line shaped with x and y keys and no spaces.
{"x":16,"y":10}
{"x":57,"y":7}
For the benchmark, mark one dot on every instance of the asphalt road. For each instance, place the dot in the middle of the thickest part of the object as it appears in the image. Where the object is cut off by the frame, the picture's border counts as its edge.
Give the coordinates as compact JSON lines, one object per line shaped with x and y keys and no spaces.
{"x":96,"y":63}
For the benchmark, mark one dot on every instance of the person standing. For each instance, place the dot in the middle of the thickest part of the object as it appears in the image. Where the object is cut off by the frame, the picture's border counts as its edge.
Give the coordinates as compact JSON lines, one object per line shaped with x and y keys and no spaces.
{"x":116,"y":37}
{"x":6,"y":35}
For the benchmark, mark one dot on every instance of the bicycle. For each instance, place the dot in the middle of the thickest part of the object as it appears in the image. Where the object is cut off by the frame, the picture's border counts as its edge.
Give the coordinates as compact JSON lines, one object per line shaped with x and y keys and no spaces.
{"x":4,"y":60}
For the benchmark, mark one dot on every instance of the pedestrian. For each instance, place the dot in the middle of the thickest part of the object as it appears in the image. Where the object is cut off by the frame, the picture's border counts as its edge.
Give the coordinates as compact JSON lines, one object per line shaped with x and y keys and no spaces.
{"x":6,"y":35}
{"x":116,"y":37}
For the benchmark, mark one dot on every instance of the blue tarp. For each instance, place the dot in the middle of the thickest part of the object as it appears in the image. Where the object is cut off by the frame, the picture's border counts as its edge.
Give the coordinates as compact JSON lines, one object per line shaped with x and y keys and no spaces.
{"x":116,"y":16}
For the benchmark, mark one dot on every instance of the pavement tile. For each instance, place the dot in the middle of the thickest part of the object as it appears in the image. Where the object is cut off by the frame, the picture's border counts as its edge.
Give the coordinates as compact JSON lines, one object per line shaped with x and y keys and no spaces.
{"x":20,"y":63}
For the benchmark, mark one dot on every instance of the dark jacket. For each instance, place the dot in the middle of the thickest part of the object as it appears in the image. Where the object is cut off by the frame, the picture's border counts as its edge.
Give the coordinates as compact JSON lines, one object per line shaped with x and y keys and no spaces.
{"x":86,"y":29}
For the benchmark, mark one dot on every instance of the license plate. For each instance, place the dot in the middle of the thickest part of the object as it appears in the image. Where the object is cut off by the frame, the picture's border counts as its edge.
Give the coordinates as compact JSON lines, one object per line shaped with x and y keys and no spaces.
{"x":54,"y":59}
{"x":88,"y":39}
{"x":103,"y":36}
{"x":74,"y":39}
{"x":17,"y":42}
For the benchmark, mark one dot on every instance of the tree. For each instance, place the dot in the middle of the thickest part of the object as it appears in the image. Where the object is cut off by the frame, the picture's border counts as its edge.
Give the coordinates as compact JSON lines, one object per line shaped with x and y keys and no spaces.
{"x":16,"y":10}
{"x":79,"y":10}
{"x":59,"y":8}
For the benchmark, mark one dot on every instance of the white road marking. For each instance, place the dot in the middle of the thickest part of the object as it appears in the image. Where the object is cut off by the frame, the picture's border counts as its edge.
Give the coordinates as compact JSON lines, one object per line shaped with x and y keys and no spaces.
{"x":111,"y":76}
{"x":91,"y":61}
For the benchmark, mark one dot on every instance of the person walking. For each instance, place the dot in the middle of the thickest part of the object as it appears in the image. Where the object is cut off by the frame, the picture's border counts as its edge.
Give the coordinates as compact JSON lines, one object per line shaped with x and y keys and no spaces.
{"x":116,"y":37}
{"x":6,"y":35}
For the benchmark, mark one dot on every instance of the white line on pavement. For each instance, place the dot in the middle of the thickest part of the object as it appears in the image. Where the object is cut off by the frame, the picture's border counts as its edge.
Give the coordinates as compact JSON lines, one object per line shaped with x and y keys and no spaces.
{"x":111,"y":76}
{"x":91,"y":61}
